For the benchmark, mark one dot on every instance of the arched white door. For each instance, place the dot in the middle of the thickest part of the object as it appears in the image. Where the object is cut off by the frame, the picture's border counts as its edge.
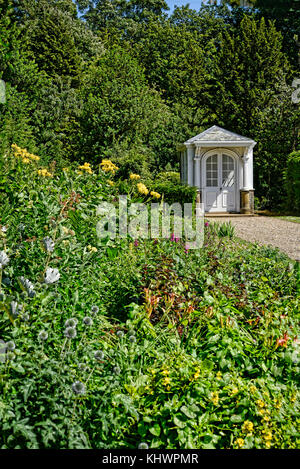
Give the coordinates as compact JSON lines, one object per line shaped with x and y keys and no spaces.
{"x":219,"y":184}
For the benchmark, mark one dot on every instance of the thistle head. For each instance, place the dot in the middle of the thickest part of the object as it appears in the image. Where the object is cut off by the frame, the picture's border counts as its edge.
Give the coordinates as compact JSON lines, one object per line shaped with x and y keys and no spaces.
{"x":132,"y":338}
{"x":143,"y":446}
{"x":72,"y":322}
{"x":99,"y":355}
{"x":70,"y":332}
{"x":117,"y":370}
{"x":87,"y":321}
{"x":78,"y":388}
{"x":10,"y":346}
{"x":94,"y":309}
{"x":43,"y":336}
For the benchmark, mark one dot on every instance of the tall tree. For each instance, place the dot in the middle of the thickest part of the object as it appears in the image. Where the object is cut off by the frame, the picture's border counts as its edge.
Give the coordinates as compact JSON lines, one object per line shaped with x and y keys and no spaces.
{"x":118,"y":106}
{"x":116,"y":15}
{"x":252,"y":88}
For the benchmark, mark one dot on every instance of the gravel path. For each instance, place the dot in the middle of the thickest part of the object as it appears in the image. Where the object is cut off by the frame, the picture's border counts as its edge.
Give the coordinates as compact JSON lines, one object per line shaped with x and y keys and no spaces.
{"x":282,"y":234}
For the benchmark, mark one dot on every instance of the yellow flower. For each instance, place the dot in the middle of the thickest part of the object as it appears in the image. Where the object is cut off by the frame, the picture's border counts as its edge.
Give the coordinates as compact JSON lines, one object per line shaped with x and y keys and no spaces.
{"x":66,"y":169}
{"x":260,"y":403}
{"x":156,"y":195}
{"x":92,"y":248}
{"x":166,"y":381}
{"x":277,"y":403}
{"x":165,"y":372}
{"x":214,"y":398}
{"x":108,"y":166}
{"x":33,"y":157}
{"x":134,"y":177}
{"x":239,"y":442}
{"x":44,"y":173}
{"x":267,"y":435}
{"x":142,"y":188}
{"x":294,"y":397}
{"x":219,"y":375}
{"x":24,"y":154}
{"x":268,"y":444}
{"x":234,"y":391}
{"x":111,"y":183}
{"x":86,"y":167}
{"x":247,"y":427}
{"x":253,"y":389}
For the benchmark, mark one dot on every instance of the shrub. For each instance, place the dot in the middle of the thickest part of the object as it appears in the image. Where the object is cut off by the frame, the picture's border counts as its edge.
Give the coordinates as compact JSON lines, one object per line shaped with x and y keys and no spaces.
{"x":171,"y":176}
{"x":292,"y":181}
{"x":175,"y":192}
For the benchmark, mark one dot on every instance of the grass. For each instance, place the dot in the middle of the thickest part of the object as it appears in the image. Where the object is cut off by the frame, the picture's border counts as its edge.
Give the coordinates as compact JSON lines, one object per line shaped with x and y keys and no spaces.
{"x":289,"y":218}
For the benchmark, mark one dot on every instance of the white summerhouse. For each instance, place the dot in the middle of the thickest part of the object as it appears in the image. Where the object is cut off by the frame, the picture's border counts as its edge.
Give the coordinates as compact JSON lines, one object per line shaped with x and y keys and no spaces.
{"x":219,"y":164}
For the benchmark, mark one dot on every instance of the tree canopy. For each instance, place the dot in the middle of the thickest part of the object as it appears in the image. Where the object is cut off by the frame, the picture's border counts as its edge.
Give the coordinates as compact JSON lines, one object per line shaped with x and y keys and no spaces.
{"x":129,"y":79}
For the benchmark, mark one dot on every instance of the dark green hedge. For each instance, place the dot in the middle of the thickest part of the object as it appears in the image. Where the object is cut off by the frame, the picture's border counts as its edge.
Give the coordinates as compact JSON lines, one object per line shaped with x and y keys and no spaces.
{"x":292,"y":181}
{"x":175,"y":192}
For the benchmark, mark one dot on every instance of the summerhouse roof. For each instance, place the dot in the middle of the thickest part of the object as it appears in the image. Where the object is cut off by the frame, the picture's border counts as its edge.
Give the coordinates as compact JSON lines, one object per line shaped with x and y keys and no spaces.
{"x":216,"y":134}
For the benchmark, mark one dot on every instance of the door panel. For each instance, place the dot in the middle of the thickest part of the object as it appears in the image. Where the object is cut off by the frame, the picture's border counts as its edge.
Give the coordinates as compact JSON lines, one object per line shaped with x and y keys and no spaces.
{"x":219,"y":183}
{"x":212,"y":198}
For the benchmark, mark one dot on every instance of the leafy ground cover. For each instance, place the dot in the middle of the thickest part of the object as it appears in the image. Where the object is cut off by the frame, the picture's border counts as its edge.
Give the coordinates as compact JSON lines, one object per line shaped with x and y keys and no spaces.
{"x":136,"y":343}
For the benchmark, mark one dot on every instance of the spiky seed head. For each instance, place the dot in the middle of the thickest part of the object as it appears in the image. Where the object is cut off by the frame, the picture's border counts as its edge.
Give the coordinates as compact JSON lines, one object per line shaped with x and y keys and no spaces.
{"x":94,"y":309}
{"x":143,"y":445}
{"x":70,"y":332}
{"x":72,"y":322}
{"x":43,"y":336}
{"x":87,"y":321}
{"x":99,"y":355}
{"x":117,"y":370}
{"x":78,"y":387}
{"x":10,"y":346}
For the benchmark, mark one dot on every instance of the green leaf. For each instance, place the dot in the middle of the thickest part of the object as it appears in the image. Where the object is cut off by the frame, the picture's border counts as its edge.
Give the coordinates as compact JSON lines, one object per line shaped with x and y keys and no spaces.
{"x":155,"y":430}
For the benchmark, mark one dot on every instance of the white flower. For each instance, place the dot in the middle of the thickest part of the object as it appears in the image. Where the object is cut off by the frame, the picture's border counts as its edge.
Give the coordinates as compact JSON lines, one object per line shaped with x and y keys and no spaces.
{"x":15,"y":309}
{"x":4,"y":229}
{"x":52,"y":275}
{"x":48,"y":244}
{"x":4,"y":259}
{"x":29,"y":287}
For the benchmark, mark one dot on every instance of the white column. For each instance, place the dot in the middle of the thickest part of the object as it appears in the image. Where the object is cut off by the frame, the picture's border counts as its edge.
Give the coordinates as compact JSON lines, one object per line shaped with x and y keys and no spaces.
{"x":197,"y":172}
{"x":248,"y":169}
{"x":190,"y":164}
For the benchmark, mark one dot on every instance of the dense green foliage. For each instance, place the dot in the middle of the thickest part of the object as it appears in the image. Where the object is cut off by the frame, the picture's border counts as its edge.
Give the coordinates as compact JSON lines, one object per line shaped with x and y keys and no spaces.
{"x":126,"y":81}
{"x":137,"y":342}
{"x":292,"y":181}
